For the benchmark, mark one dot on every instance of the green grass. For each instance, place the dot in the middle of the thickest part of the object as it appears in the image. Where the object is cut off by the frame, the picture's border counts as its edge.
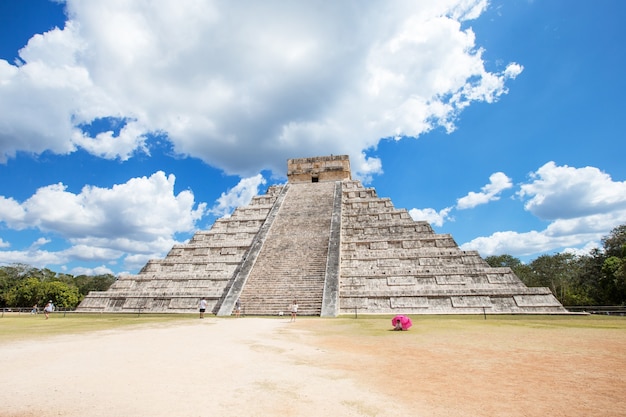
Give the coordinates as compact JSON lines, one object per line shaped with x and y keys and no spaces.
{"x":14,"y":327}
{"x":25,"y":326}
{"x":372,"y":325}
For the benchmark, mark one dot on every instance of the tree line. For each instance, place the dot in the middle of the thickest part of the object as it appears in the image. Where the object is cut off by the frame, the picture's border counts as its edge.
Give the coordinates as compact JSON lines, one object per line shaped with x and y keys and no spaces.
{"x":26,"y":286}
{"x":595,"y":279}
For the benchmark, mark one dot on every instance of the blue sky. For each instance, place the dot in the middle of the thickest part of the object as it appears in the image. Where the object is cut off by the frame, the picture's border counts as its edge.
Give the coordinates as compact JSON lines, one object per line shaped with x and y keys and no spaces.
{"x":126,"y":126}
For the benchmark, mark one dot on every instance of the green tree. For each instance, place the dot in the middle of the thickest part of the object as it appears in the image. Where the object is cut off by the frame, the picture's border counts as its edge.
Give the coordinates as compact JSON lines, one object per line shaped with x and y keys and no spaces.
{"x":607,"y":277}
{"x":43,"y":274}
{"x":559,"y":273}
{"x":581,"y":290}
{"x":27,"y":292}
{"x":503,"y":260}
{"x":520,"y":269}
{"x":5,"y":286}
{"x":10,"y":277}
{"x":61,"y":294}
{"x":87,"y":283}
{"x":614,"y":280}
{"x":615,"y":243}
{"x":23,"y":286}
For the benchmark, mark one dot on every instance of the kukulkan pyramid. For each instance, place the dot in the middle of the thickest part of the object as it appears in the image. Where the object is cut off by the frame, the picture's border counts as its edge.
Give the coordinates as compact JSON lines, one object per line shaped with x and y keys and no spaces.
{"x":331,"y":244}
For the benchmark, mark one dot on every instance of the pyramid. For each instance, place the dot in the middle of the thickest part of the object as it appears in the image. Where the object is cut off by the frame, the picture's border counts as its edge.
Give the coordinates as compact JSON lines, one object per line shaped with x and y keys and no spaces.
{"x":333,"y":245}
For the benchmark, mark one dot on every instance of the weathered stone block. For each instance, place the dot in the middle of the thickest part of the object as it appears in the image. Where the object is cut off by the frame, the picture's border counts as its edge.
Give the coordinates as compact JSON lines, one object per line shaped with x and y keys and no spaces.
{"x":403,"y":281}
{"x":409,"y":302}
{"x":547,"y":300}
{"x":468,"y":301}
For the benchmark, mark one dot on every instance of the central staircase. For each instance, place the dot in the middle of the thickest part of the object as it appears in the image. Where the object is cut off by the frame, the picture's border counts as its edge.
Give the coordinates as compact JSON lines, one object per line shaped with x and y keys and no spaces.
{"x":292,"y":262}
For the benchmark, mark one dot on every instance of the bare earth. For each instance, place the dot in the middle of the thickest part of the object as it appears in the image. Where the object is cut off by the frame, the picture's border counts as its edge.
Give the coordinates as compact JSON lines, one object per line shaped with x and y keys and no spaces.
{"x":269,"y":367}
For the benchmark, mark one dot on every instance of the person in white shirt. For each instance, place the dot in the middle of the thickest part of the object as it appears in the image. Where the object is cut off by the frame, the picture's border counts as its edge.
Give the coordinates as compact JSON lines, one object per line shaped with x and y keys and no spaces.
{"x":203,"y":305}
{"x":49,"y":308}
{"x":294,"y":310}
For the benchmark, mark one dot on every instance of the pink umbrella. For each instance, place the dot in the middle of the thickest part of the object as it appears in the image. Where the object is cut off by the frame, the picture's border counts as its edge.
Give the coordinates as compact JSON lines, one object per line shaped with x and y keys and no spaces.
{"x":402,"y":320}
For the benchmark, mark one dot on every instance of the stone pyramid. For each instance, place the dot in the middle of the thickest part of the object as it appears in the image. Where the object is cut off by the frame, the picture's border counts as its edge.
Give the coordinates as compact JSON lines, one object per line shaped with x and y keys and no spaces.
{"x":331,"y":244}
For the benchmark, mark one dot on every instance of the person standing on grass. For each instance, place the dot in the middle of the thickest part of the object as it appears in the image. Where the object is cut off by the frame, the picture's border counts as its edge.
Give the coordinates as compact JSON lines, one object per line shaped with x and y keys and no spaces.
{"x":49,"y":308}
{"x":203,"y":305}
{"x":294,"y":310}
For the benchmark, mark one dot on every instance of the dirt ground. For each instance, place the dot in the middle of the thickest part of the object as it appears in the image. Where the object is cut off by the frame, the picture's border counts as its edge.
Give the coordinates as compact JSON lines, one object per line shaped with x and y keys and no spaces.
{"x":271,"y":367}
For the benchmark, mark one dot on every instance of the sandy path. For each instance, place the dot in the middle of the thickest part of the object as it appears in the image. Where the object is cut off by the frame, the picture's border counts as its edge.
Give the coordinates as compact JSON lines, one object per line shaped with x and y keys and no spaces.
{"x":270,"y":367}
{"x":210,"y":367}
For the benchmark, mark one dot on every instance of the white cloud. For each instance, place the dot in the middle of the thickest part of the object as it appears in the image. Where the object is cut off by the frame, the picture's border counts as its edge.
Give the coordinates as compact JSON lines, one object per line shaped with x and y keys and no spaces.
{"x":365,"y":167}
{"x":141,"y":209}
{"x":12,"y":212}
{"x":528,"y":243}
{"x":582,"y":204}
{"x":4,"y":244}
{"x":513,"y":70}
{"x":140,"y":216}
{"x":563,"y":192}
{"x":43,"y":258}
{"x":584,"y":250}
{"x":430,"y":215}
{"x":39,"y":242}
{"x":238,"y":196}
{"x":490,"y":192}
{"x":32,"y":257}
{"x":99,"y":270}
{"x":304,"y":78}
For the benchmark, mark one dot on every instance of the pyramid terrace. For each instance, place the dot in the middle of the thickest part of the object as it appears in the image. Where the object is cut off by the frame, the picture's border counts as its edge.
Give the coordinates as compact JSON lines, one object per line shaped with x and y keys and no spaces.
{"x":333,"y":245}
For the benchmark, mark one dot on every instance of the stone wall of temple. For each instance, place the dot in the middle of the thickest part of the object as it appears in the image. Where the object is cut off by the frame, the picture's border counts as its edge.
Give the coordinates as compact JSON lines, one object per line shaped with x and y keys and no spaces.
{"x":319,"y":169}
{"x":393,"y":264}
{"x":334,"y":245}
{"x":202,"y":267}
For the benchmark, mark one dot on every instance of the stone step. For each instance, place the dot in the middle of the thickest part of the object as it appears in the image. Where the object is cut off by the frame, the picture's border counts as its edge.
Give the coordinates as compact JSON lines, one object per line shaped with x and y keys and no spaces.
{"x":292,"y":262}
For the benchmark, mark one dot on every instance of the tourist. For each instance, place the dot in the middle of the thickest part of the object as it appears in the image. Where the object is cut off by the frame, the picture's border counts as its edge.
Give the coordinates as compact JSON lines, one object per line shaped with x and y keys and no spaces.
{"x":49,"y":308}
{"x":237,"y":308}
{"x":203,"y":305}
{"x":34,"y":310}
{"x":294,"y":310}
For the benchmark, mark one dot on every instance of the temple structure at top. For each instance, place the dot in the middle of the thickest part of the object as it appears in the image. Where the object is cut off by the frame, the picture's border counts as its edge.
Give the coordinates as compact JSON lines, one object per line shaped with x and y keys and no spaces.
{"x":333,"y":245}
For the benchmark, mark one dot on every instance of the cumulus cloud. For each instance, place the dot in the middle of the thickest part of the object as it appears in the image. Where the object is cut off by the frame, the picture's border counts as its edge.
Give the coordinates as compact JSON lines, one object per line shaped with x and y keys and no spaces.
{"x":581,"y":205}
{"x":490,"y":192}
{"x":498,"y":182}
{"x":521,"y":244}
{"x":365,"y":167}
{"x":585,"y":250}
{"x":304,"y":78}
{"x":42,"y":258}
{"x":140,"y":216}
{"x":430,"y":215}
{"x":563,"y":192}
{"x":238,"y":196}
{"x":99,"y":270}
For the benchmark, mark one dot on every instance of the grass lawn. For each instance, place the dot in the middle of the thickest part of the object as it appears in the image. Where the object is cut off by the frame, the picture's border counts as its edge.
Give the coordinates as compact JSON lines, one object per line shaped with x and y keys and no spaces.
{"x":25,"y":326}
